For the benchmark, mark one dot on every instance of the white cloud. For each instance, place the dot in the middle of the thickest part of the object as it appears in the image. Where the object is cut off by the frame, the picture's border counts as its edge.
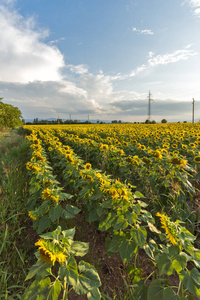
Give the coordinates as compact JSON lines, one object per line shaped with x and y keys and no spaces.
{"x":163,"y":59}
{"x":144,"y":31}
{"x":195,"y":5}
{"x":24,"y":56}
{"x":173,"y":57}
{"x":78,"y":69}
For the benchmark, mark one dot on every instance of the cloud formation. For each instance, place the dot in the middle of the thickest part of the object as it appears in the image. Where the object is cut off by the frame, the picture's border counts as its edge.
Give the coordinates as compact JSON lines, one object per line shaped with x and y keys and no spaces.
{"x":196,"y":6}
{"x":24,"y":56}
{"x":164,"y":59}
{"x":144,"y":31}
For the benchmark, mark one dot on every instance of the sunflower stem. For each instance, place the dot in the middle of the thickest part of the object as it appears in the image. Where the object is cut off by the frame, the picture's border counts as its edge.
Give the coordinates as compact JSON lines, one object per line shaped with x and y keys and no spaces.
{"x":65,"y":289}
{"x":180,"y":289}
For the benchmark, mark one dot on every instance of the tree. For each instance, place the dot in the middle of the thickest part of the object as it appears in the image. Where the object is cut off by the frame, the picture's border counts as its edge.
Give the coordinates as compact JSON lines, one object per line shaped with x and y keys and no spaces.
{"x":163,"y":121}
{"x":9,"y":115}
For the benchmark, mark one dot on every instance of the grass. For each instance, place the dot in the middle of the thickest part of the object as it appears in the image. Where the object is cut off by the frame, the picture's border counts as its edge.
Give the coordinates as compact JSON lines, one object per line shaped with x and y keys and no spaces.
{"x":14,"y":250}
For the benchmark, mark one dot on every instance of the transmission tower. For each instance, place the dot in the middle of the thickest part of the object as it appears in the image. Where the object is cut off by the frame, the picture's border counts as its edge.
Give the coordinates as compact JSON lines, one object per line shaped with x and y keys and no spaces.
{"x":193,"y":110}
{"x":149,"y":106}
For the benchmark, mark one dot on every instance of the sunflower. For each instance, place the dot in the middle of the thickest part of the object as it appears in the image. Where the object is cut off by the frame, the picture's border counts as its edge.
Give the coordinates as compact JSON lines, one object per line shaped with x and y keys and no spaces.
{"x":157,"y":154}
{"x":197,"y":159}
{"x":48,"y":182}
{"x":192,"y":145}
{"x":169,"y":227}
{"x":88,"y":166}
{"x":178,"y":161}
{"x":174,"y":146}
{"x":142,"y":147}
{"x":33,"y":168}
{"x":50,"y":252}
{"x":146,"y":160}
{"x":47,"y":194}
{"x":31,"y":215}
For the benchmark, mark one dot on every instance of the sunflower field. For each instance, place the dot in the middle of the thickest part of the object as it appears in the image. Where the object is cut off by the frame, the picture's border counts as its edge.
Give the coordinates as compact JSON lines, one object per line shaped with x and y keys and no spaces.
{"x":137,"y":183}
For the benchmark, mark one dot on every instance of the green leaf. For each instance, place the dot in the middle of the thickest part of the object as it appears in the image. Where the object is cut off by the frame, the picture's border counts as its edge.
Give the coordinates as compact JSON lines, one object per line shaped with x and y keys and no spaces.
{"x":153,"y":228}
{"x":93,"y":215}
{"x":70,"y":211}
{"x":115,"y":244}
{"x":140,"y":195}
{"x":120,"y":223}
{"x":43,"y":208}
{"x":107,"y":204}
{"x":169,"y":294}
{"x":127,"y":250}
{"x":44,"y":223}
{"x":191,"y":280}
{"x":88,"y":278}
{"x":131,"y":216}
{"x":37,"y":268}
{"x":155,"y":290}
{"x":54,"y":291}
{"x":79,"y":248}
{"x":158,"y":292}
{"x":94,"y":294}
{"x":196,"y":258}
{"x":69,"y":233}
{"x":140,"y":292}
{"x":37,"y":290}
{"x":71,"y":272}
{"x":137,"y":208}
{"x":179,"y":262}
{"x":139,"y":235}
{"x":150,"y":248}
{"x":55,"y":212}
{"x":107,"y":221}
{"x":164,"y":263}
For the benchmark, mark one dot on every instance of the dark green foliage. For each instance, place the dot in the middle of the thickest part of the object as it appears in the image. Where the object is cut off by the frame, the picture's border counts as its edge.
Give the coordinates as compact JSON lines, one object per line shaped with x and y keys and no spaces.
{"x":9,"y":115}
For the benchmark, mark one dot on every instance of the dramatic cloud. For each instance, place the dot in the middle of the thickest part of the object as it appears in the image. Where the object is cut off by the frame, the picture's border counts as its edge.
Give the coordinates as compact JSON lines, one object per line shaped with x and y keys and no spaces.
{"x":144,"y":31}
{"x":24,"y":56}
{"x":49,"y":98}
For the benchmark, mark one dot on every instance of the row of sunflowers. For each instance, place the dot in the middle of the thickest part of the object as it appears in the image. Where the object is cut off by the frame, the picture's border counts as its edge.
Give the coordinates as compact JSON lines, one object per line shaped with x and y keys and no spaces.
{"x":102,"y":166}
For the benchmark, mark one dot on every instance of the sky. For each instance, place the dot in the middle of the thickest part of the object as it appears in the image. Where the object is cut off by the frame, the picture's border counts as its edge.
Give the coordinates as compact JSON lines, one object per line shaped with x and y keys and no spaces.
{"x":98,"y":59}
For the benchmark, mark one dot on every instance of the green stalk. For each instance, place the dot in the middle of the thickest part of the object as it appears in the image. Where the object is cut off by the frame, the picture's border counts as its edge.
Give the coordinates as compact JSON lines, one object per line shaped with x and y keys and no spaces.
{"x":180,"y":289}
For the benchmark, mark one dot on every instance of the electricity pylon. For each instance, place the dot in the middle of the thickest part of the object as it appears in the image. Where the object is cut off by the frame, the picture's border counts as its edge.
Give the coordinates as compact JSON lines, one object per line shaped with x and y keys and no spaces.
{"x":149,"y":106}
{"x":193,"y":110}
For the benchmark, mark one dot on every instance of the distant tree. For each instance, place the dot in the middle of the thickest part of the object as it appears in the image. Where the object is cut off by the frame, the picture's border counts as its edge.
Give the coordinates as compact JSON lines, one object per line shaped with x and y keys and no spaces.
{"x":10,"y":116}
{"x":147,"y":121}
{"x":153,"y":122}
{"x":184,"y":121}
{"x":163,"y":121}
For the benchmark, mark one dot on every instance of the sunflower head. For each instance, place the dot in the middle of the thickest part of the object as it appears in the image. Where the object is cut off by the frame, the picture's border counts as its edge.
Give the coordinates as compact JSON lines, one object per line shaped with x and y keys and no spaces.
{"x":50,"y":252}
{"x":169,"y":227}
{"x":197,"y":159}
{"x":88,"y":166}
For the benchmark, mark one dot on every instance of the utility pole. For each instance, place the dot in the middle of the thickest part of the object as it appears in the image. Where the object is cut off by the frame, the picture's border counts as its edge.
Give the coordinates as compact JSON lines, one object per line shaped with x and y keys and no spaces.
{"x":88,"y":118}
{"x":149,"y":106}
{"x":193,"y":110}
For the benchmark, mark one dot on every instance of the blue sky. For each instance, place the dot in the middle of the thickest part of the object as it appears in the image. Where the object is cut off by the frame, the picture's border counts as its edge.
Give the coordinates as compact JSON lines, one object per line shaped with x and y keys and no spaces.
{"x":100,"y":58}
